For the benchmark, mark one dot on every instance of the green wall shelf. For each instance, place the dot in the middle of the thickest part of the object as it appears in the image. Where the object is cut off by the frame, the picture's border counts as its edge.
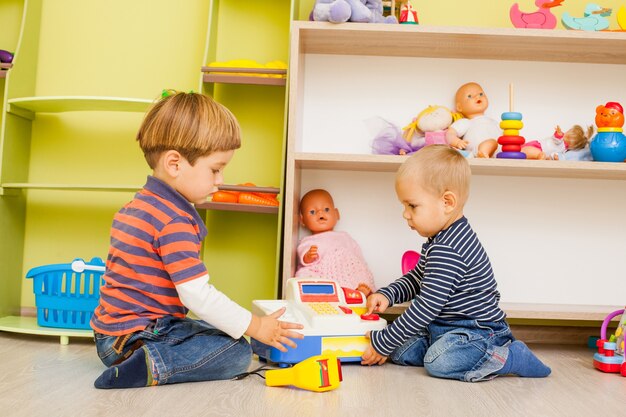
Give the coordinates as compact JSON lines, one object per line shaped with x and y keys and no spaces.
{"x":59,"y":104}
{"x":232,"y":75}
{"x":28,"y":325}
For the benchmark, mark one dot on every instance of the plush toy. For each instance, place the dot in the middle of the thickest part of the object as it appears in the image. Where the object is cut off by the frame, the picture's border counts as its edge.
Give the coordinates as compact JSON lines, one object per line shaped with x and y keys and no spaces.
{"x":339,"y":11}
{"x":388,"y":139}
{"x":431,"y":124}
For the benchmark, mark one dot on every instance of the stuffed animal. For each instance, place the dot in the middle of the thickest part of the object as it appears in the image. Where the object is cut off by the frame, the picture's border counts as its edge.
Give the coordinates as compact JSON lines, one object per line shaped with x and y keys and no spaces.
{"x":339,"y":11}
{"x":431,"y":124}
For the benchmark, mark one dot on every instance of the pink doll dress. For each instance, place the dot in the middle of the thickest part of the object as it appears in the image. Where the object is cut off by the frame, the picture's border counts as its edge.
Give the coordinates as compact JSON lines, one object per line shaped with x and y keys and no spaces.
{"x":340,"y":259}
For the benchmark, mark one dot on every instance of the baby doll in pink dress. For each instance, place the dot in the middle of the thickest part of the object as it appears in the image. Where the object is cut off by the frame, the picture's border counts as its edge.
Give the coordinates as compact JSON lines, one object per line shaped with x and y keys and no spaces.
{"x":327,"y":253}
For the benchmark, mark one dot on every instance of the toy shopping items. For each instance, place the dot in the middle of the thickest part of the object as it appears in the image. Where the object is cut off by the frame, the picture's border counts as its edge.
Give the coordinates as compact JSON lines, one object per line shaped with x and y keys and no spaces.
{"x":610,"y":355}
{"x":333,"y":317}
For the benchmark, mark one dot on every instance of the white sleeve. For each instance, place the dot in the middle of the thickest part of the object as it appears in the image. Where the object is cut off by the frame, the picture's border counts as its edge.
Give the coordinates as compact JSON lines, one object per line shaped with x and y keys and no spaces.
{"x":212,"y":306}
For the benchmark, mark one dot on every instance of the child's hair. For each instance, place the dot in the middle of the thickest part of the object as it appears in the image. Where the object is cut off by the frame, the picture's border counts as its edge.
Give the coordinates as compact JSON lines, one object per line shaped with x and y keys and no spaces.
{"x":193,"y":124}
{"x":438,"y":168}
{"x":578,"y":138}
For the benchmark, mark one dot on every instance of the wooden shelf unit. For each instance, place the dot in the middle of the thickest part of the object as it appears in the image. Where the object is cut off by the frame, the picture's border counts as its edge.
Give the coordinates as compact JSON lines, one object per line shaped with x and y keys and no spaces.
{"x":232,"y":75}
{"x":532,"y":311}
{"x":372,"y":40}
{"x":480,"y":166}
{"x":459,"y":42}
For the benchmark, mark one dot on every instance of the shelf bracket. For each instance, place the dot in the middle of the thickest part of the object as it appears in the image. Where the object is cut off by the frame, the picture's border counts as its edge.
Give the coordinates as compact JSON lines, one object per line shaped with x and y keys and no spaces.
{"x":20,"y":112}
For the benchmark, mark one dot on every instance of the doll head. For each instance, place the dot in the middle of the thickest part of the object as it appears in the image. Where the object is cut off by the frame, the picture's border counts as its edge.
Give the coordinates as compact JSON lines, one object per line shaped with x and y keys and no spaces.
{"x":610,"y":115}
{"x":577,"y":138}
{"x":434,"y":118}
{"x":471,"y":100}
{"x":318,"y":212}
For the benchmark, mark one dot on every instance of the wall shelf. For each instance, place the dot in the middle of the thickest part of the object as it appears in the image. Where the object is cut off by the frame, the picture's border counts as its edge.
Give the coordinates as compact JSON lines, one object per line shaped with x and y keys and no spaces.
{"x":531,"y":311}
{"x":4,"y":69}
{"x":68,"y":187}
{"x":249,"y":208}
{"x":58,"y":104}
{"x":493,"y":166}
{"x":28,"y":325}
{"x":460,"y":42}
{"x":231,"y":75}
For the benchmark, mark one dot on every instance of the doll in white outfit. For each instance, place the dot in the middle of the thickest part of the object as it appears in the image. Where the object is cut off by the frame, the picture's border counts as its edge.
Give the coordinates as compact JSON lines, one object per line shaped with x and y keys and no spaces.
{"x":475,"y":133}
{"x":327,"y":253}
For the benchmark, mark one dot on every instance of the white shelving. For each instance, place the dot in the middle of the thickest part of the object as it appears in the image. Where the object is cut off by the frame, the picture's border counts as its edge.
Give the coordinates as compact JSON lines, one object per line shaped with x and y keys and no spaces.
{"x":554,"y":245}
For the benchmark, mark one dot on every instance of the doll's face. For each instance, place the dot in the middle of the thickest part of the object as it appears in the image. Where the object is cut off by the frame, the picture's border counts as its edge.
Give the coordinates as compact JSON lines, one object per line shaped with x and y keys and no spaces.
{"x":318,"y":212}
{"x":438,"y":119}
{"x":471,"y":100}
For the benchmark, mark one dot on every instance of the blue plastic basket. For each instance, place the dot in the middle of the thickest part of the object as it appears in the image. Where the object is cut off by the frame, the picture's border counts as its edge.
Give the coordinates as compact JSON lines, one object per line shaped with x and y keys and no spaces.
{"x":66,"y":295}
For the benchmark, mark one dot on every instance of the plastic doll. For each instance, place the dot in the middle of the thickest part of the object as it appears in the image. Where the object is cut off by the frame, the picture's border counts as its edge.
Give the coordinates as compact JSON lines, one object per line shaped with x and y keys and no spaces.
{"x":546,"y":148}
{"x":327,"y":253}
{"x":475,"y":133}
{"x":576,"y":142}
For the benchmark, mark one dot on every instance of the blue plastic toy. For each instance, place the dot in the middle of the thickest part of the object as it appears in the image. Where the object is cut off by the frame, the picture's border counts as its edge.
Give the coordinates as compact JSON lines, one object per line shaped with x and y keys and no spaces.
{"x":66,"y":295}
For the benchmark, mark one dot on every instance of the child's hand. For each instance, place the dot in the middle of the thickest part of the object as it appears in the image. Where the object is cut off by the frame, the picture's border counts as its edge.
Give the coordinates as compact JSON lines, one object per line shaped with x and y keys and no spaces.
{"x":272,"y":332}
{"x":370,"y":356}
{"x":377,"y":303}
{"x":311,"y":255}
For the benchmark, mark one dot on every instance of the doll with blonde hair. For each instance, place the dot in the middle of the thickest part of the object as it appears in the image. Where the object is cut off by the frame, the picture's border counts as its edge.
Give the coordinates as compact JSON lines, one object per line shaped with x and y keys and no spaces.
{"x":431,"y":124}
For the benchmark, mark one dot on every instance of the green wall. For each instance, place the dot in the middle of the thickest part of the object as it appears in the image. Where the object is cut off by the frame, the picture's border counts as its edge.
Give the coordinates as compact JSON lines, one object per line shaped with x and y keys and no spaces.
{"x":135,"y":49}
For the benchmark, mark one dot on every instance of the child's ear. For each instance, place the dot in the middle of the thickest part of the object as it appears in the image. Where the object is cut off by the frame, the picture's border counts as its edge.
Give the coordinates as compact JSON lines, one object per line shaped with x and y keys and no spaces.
{"x":449,"y":201}
{"x":337,"y":211}
{"x":170,"y":162}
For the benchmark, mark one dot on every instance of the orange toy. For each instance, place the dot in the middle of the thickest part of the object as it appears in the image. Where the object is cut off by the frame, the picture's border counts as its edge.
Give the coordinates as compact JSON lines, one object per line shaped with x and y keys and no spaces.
{"x":246,"y":196}
{"x":610,"y":115}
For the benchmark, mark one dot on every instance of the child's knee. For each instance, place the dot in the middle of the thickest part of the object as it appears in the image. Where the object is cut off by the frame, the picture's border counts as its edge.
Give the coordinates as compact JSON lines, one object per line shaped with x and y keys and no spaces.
{"x":447,"y":355}
{"x":241,"y":356}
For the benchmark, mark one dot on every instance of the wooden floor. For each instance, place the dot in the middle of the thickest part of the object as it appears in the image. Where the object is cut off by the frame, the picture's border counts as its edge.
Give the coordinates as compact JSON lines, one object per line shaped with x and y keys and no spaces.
{"x":40,"y":377}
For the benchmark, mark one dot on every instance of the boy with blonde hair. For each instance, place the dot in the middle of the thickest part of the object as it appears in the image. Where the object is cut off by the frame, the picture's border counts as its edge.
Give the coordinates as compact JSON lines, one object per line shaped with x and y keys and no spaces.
{"x":454,"y":326}
{"x":154,"y":274}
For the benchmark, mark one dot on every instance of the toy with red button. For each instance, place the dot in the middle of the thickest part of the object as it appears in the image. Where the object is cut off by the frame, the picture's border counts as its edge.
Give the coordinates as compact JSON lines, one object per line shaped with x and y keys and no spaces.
{"x":511,"y":124}
{"x":334,"y":319}
{"x":610,"y":355}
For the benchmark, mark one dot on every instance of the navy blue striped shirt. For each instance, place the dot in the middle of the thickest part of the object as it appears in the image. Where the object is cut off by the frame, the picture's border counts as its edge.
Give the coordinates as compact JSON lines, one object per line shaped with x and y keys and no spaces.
{"x":453,"y":280}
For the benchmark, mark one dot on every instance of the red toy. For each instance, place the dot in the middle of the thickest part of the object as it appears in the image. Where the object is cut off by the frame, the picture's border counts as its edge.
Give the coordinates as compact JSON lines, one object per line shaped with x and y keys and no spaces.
{"x":610,"y":355}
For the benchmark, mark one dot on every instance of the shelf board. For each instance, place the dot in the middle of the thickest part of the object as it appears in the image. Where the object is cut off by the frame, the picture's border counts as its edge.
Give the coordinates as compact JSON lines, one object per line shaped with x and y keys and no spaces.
{"x":68,"y":187}
{"x":4,"y":69}
{"x":565,"y":312}
{"x":253,"y":189}
{"x":492,"y":166}
{"x":28,"y":325}
{"x":462,"y":42}
{"x":249,"y":208}
{"x":58,"y":104}
{"x":232,"y":75}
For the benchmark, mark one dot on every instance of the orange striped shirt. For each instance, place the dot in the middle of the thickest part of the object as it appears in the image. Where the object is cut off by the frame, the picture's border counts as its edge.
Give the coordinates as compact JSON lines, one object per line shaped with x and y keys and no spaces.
{"x":155,"y":244}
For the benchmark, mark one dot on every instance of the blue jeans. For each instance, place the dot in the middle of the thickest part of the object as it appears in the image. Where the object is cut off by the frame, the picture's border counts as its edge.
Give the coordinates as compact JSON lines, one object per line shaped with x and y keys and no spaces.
{"x":180,"y":350}
{"x":467,"y":350}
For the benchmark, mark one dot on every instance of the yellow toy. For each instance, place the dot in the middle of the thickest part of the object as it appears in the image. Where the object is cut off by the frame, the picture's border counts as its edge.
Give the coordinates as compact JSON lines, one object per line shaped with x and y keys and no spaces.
{"x":318,"y":373}
{"x":621,"y":17}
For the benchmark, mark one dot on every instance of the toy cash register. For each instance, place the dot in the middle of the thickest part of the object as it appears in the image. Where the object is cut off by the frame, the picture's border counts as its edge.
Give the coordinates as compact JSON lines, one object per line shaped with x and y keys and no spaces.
{"x":333,"y":319}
